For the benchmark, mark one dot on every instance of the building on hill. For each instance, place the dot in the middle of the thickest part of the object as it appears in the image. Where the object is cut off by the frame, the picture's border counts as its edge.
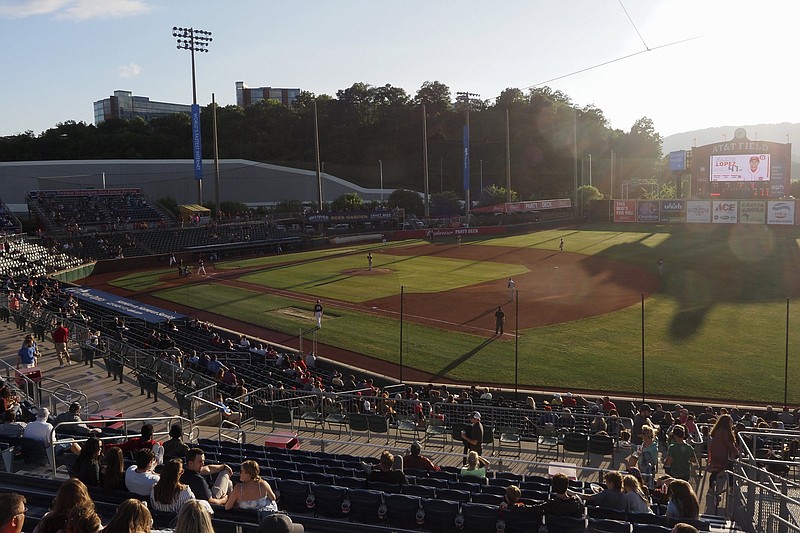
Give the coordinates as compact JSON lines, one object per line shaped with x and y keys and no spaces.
{"x":126,"y":106}
{"x":246,"y":96}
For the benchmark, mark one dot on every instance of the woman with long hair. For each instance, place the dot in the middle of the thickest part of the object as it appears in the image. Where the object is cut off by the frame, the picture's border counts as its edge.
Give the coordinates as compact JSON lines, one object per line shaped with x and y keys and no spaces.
{"x":722,"y":450}
{"x":87,"y":465}
{"x":114,"y":470}
{"x":193,"y":518}
{"x":83,"y":520}
{"x":251,"y":492}
{"x":682,"y":500}
{"x":635,"y":497}
{"x":168,"y":494}
{"x":71,"y":495}
{"x":132,"y":516}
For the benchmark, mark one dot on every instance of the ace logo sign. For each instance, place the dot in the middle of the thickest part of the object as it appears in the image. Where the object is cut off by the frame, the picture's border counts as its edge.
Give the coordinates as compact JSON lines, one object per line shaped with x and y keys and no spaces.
{"x":724,"y":212}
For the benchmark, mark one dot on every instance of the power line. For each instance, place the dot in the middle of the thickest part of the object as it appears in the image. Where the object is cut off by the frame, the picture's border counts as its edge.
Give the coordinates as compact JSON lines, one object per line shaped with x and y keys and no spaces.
{"x":633,"y":24}
{"x":604,"y":63}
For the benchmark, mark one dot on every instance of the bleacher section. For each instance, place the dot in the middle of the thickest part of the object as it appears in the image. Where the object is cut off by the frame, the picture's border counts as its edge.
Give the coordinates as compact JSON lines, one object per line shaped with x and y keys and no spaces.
{"x":70,"y":210}
{"x":20,"y":257}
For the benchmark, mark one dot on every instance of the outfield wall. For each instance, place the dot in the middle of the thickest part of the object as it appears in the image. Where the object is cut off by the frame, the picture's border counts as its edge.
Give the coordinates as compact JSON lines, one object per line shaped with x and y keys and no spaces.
{"x":770,"y":212}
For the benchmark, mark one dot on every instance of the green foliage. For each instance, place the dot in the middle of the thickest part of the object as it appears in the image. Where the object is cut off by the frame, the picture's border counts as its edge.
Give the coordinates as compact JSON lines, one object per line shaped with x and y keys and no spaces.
{"x":588,"y":193}
{"x":666,"y":191}
{"x":170,"y":204}
{"x":408,"y":200}
{"x":348,"y":202}
{"x":288,"y":206}
{"x":795,"y":188}
{"x":494,"y":194}
{"x":445,"y":204}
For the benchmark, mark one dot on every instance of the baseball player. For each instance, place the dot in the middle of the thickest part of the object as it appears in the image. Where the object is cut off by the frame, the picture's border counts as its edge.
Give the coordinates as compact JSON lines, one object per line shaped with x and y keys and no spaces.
{"x":512,"y":288}
{"x":318,"y":313}
{"x":369,"y":259}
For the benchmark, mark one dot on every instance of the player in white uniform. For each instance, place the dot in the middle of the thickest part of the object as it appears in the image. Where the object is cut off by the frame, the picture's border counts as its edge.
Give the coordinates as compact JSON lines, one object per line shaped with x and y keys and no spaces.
{"x":512,"y":288}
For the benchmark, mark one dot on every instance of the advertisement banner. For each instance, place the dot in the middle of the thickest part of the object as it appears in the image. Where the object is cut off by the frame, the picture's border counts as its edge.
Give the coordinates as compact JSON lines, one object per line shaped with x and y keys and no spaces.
{"x":724,"y":211}
{"x":648,"y":211}
{"x":436,"y":233}
{"x":624,"y":210}
{"x":466,"y":157}
{"x":698,"y":211}
{"x":752,"y":212}
{"x":780,"y":212}
{"x":677,"y":160}
{"x":127,"y":307}
{"x":197,"y":145}
{"x":673,"y":210}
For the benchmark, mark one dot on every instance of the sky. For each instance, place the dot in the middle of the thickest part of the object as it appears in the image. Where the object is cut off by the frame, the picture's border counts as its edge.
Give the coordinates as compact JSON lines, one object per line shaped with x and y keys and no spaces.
{"x":684,"y":64}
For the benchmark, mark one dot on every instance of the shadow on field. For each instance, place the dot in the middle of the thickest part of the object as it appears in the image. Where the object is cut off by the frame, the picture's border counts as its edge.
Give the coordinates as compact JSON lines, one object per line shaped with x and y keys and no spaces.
{"x":463,"y":358}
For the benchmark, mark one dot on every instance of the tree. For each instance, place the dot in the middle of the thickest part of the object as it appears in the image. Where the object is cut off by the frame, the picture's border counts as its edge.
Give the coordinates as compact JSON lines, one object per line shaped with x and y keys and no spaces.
{"x":348,"y":202}
{"x":408,"y":200}
{"x":511,"y":98}
{"x":435,"y":96}
{"x":170,"y":204}
{"x":445,"y":204}
{"x":288,"y":206}
{"x":494,"y":194}
{"x":587,"y":193}
{"x":646,"y":140}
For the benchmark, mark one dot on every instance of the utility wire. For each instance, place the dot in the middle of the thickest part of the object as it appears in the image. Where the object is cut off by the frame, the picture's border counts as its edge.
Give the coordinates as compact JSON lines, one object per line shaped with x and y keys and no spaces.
{"x":633,"y":24}
{"x":604,"y":63}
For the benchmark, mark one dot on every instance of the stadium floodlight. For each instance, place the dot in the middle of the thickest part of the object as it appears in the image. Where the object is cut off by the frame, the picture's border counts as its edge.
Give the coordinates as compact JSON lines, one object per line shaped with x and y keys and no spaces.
{"x":195,"y":41}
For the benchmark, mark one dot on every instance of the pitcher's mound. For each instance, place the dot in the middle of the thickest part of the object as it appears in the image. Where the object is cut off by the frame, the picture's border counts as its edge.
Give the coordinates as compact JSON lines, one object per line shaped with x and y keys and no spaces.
{"x":367,"y":272}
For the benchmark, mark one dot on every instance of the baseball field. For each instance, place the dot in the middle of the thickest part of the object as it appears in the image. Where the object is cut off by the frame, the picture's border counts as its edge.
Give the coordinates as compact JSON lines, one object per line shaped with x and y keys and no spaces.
{"x":719,"y":319}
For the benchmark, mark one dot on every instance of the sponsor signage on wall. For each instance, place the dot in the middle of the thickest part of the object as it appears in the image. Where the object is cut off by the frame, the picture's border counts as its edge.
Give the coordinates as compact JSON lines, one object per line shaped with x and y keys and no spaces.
{"x":624,"y":210}
{"x":647,"y":211}
{"x":780,"y":212}
{"x":673,"y":210}
{"x":698,"y":211}
{"x":724,"y":211}
{"x":127,"y":307}
{"x":752,"y":212}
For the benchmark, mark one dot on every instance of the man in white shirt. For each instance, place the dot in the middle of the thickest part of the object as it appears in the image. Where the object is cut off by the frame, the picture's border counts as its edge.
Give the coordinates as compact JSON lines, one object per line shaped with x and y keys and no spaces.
{"x":140,"y":478}
{"x":42,"y":430}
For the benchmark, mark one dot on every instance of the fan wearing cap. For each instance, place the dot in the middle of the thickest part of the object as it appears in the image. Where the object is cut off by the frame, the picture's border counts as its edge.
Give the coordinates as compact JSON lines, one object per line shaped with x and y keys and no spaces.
{"x":569,"y":401}
{"x":279,"y":523}
{"x":642,"y":418}
{"x":74,"y":415}
{"x":473,"y":436}
{"x":415,"y":460}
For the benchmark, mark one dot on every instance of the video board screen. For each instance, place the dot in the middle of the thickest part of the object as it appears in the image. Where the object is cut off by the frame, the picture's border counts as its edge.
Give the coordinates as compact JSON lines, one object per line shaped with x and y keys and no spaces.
{"x":740,"y":167}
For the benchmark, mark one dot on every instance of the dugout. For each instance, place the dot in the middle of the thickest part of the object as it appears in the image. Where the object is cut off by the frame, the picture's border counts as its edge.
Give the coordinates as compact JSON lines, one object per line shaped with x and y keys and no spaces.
{"x":192,"y":211}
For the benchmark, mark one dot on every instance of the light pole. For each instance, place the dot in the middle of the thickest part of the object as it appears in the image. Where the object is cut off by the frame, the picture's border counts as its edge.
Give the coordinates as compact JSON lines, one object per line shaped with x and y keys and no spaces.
{"x":380,"y":164}
{"x":195,"y":41}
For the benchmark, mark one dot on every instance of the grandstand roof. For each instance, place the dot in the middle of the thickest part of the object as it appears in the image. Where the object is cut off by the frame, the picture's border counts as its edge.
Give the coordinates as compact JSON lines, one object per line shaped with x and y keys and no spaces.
{"x":241,"y":180}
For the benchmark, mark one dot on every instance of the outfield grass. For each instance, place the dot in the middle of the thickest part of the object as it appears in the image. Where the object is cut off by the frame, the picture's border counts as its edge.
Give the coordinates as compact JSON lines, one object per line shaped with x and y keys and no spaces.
{"x":716,"y":329}
{"x":335,"y":278}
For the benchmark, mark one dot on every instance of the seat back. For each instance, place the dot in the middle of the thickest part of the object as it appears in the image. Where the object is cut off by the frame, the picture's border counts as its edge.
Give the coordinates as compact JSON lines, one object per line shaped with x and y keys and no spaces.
{"x":328,"y":500}
{"x":35,"y":452}
{"x":479,"y":517}
{"x":364,"y":505}
{"x":401,"y":510}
